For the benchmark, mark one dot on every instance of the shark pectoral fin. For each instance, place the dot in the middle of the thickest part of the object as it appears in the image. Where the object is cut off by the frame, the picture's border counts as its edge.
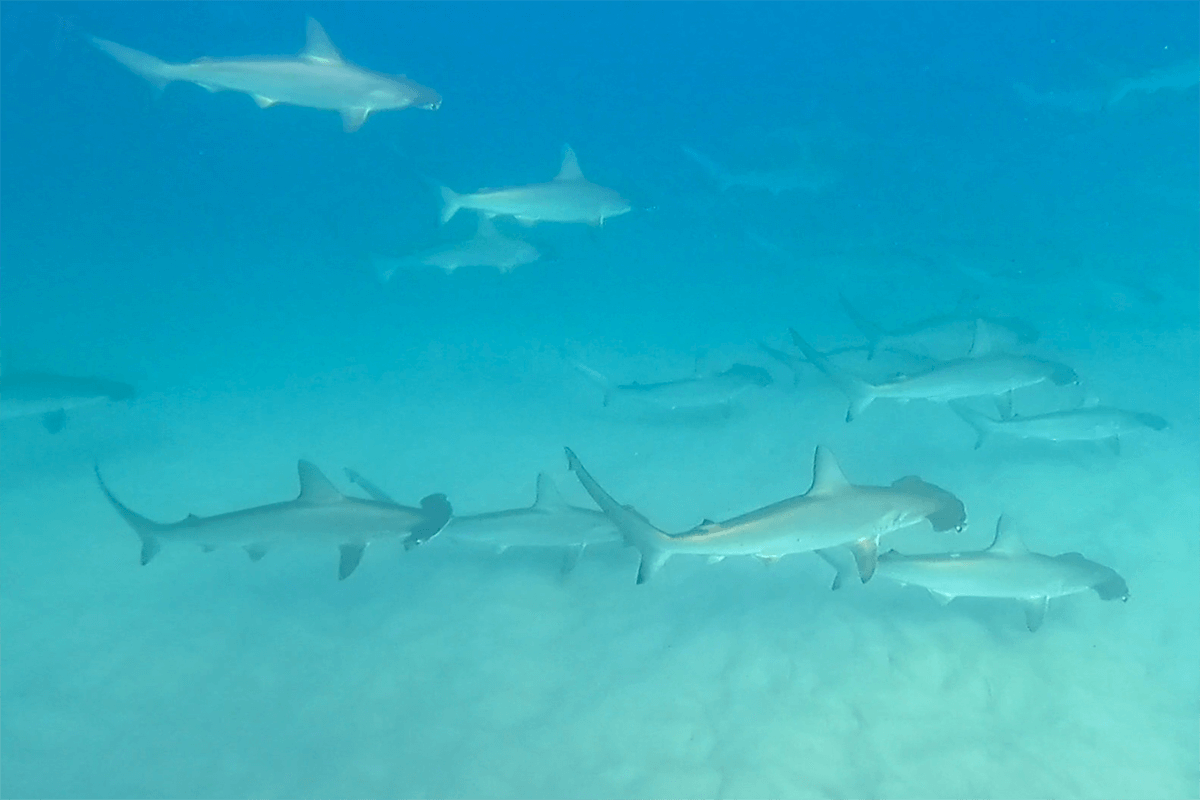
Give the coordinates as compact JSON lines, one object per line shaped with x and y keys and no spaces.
{"x":54,"y":421}
{"x":1114,"y":444}
{"x":866,"y":556}
{"x":264,"y":102}
{"x":768,"y":560}
{"x":351,"y":554}
{"x":571,"y":559}
{"x":150,"y":548}
{"x":715,"y":559}
{"x":652,"y":562}
{"x":353,"y":118}
{"x":255,"y":551}
{"x":1004,"y":405}
{"x":1035,"y":612}
{"x":839,"y":565}
{"x":941,"y":598}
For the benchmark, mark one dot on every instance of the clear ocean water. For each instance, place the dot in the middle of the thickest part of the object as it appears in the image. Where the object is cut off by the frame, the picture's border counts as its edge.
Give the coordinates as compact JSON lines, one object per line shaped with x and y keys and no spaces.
{"x":1037,"y":162}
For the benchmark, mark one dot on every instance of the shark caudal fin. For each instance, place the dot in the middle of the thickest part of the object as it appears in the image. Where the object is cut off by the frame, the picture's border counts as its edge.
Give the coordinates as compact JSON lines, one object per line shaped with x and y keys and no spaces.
{"x":155,"y":70}
{"x":451,"y":203}
{"x":635,"y":529}
{"x":860,"y":393}
{"x":145,"y":529}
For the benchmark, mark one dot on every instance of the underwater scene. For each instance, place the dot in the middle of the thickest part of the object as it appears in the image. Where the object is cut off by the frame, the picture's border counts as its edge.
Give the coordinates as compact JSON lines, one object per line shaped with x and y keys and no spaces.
{"x":599,"y":400}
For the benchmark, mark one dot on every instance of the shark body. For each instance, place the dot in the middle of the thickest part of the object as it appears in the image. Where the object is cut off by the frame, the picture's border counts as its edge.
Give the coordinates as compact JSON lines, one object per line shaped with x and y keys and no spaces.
{"x":1005,"y":570}
{"x":321,"y":513}
{"x":24,"y":394}
{"x":832,"y":513}
{"x":317,"y":78}
{"x":570,"y":197}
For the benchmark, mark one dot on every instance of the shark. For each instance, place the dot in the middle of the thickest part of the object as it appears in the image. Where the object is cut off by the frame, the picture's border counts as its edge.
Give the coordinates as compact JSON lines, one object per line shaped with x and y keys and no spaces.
{"x":320,"y":513}
{"x":797,"y":177}
{"x":697,"y":392}
{"x":570,"y":197}
{"x":25,"y":394}
{"x":944,"y":336}
{"x":1103,"y":424}
{"x":832,"y":513}
{"x":985,"y":374}
{"x":550,"y":522}
{"x":487,"y":248}
{"x":1178,"y":77}
{"x":317,"y":78}
{"x":1007,"y":570}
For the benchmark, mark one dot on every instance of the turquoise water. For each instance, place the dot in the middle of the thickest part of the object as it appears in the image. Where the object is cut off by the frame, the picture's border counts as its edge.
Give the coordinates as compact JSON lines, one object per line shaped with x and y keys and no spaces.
{"x":1038,"y":162}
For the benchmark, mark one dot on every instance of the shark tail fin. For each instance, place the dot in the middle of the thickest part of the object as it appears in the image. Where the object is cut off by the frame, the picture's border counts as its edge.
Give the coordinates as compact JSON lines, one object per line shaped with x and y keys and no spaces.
{"x":635,"y":529}
{"x":867,"y":328}
{"x":597,"y":378}
{"x":982,"y":423}
{"x":155,"y":70}
{"x":145,"y":529}
{"x":451,"y":203}
{"x":860,"y":393}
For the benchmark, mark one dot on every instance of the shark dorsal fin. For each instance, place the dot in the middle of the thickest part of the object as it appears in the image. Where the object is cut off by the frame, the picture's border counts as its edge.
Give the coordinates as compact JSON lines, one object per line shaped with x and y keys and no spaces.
{"x":314,"y":486}
{"x":1007,"y":541}
{"x":570,"y":166}
{"x":318,"y":48}
{"x":827,"y":475}
{"x":548,"y":497}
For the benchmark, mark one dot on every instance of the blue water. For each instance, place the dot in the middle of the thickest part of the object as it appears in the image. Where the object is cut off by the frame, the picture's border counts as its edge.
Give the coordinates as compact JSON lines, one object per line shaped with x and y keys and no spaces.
{"x":218,"y":256}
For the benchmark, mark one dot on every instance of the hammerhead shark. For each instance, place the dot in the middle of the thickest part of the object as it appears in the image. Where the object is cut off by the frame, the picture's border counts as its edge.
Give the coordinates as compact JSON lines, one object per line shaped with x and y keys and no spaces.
{"x":317,"y":78}
{"x":320,"y":513}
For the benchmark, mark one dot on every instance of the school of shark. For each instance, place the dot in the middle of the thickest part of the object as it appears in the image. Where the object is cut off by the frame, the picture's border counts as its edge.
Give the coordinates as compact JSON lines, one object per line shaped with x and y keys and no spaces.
{"x":971,"y":367}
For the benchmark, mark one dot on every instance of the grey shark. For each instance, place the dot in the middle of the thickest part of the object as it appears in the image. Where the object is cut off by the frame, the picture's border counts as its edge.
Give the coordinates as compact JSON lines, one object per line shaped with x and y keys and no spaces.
{"x":797,"y":177}
{"x":1175,"y":78}
{"x":570,"y":197}
{"x":942,"y":337}
{"x":994,"y":375}
{"x":487,"y":248}
{"x":833,"y":512}
{"x":700,"y":391}
{"x":550,"y":522}
{"x":1006,"y":570}
{"x":321,"y":513}
{"x":317,"y":78}
{"x":1089,"y":424}
{"x":24,"y":394}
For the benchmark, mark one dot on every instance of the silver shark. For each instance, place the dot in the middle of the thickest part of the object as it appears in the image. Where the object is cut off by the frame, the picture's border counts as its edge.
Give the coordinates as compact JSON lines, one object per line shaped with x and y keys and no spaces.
{"x":833,"y":512}
{"x":317,"y":78}
{"x":1090,"y":424}
{"x":487,"y":248}
{"x":570,"y":197}
{"x":321,"y":513}
{"x":550,"y":522}
{"x":1007,"y":570}
{"x":942,"y":337}
{"x":994,"y":375}
{"x":26,"y":394}
{"x":697,"y":392}
{"x":797,"y":177}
